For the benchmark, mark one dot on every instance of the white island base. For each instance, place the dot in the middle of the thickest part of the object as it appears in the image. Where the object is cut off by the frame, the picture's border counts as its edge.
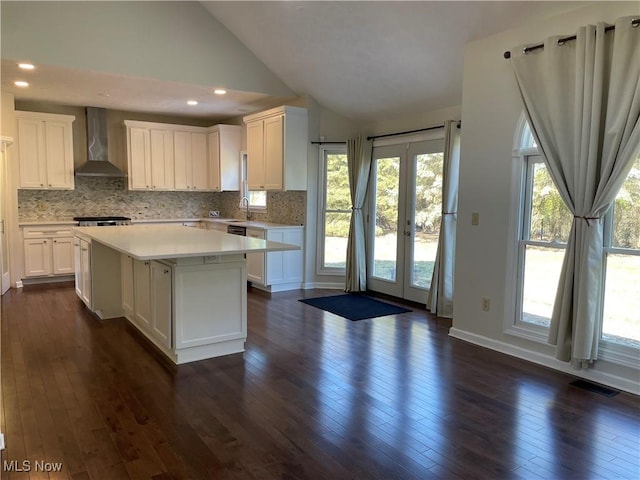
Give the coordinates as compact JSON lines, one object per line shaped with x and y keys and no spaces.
{"x":190,"y":308}
{"x":184,"y":289}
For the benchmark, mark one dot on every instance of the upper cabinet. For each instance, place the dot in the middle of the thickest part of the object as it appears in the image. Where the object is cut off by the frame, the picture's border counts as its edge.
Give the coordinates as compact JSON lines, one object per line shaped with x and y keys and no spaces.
{"x":191,"y":157}
{"x":178,"y":157}
{"x":224,"y":157}
{"x":45,"y":150}
{"x":277,"y":149}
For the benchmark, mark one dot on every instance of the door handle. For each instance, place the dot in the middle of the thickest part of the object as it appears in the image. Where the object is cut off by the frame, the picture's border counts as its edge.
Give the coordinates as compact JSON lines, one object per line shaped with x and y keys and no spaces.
{"x":407,"y":233}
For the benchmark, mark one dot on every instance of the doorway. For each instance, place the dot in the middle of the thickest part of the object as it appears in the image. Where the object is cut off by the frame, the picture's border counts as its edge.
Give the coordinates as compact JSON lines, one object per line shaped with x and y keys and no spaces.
{"x":405,"y":209}
{"x":4,"y":249}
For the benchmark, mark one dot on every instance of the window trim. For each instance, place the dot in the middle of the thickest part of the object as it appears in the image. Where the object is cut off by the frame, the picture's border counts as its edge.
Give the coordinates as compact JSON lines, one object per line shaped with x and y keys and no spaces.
{"x":323,"y":150}
{"x":244,"y":189}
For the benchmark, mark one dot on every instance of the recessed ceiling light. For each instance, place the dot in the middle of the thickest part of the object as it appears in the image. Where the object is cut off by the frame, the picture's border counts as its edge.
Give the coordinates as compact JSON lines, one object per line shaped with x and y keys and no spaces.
{"x":192,"y":102}
{"x":26,"y":66}
{"x":219,"y":91}
{"x":21,"y":83}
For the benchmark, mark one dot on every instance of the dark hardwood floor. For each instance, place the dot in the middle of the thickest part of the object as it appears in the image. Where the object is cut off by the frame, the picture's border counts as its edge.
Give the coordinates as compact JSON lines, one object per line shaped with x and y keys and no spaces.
{"x":314,"y":396}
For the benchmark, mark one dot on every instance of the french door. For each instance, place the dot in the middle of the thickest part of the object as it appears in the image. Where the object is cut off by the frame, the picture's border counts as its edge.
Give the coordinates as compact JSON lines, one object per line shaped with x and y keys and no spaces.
{"x":405,"y":204}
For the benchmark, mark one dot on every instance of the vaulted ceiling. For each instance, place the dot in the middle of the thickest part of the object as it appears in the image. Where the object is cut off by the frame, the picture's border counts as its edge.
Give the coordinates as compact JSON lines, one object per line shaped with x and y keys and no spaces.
{"x":363,"y":60}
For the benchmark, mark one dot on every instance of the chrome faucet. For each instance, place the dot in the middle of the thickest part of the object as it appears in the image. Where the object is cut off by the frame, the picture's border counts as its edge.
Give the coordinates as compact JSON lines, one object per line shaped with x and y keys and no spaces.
{"x":244,"y":201}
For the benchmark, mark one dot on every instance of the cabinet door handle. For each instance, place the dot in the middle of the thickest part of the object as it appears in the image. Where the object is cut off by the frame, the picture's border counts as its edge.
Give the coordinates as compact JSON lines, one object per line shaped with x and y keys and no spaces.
{"x":166,"y":270}
{"x":84,"y":249}
{"x":55,"y":241}
{"x":146,"y":263}
{"x":44,"y":241}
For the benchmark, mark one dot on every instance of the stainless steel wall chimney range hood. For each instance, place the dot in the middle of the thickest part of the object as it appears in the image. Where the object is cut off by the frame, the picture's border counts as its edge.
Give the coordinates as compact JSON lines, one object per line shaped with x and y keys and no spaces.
{"x":97,"y":164}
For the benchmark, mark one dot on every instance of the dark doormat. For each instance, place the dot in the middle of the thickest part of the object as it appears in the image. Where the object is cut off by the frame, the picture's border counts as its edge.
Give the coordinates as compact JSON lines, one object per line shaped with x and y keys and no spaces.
{"x":595,"y":388}
{"x":354,"y":306}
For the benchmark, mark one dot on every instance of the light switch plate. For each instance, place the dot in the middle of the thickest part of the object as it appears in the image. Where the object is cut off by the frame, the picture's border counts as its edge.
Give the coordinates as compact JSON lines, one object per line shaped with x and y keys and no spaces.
{"x":475,"y":218}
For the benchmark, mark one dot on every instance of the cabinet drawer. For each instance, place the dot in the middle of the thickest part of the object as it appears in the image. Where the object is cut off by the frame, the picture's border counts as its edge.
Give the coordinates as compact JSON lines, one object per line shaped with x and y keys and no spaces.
{"x":47,"y":232}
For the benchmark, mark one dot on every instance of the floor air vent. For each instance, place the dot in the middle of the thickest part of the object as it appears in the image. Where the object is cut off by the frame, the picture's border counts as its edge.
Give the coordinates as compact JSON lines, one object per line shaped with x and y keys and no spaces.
{"x":592,"y":387}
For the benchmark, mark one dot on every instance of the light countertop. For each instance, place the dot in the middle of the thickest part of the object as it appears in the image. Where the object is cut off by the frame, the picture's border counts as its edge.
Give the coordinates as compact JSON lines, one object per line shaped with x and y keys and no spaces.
{"x":156,"y":242}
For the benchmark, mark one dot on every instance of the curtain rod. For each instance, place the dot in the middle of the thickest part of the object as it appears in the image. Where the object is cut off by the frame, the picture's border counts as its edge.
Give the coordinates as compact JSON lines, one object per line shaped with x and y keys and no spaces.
{"x":635,"y":22}
{"x":435,"y":127}
{"x":328,"y":143}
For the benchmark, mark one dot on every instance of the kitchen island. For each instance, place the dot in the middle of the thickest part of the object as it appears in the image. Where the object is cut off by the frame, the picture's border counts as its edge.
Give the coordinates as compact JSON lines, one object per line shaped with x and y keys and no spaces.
{"x":185,"y":289}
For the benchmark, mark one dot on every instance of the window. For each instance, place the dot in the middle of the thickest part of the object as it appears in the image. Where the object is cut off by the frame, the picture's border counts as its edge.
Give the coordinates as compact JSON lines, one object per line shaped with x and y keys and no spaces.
{"x":546,"y":222}
{"x":544,"y":227}
{"x":621,"y":313}
{"x":335,"y":210}
{"x":257,"y":198}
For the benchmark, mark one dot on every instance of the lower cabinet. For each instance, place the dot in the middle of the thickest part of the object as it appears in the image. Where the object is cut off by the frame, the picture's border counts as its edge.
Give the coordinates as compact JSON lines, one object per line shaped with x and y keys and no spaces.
{"x":146,"y":298}
{"x":161,"y":294}
{"x":82,"y":255}
{"x":255,"y":261}
{"x":190,"y":308}
{"x":277,"y":271}
{"x":48,"y":251}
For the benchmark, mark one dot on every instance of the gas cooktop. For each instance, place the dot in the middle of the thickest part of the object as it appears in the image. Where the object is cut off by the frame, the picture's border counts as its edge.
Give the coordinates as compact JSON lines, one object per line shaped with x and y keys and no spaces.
{"x":101,"y":221}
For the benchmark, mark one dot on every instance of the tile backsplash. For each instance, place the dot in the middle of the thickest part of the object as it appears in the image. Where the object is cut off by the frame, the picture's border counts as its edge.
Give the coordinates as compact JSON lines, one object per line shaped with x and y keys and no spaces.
{"x":98,"y":196}
{"x":282,"y":207}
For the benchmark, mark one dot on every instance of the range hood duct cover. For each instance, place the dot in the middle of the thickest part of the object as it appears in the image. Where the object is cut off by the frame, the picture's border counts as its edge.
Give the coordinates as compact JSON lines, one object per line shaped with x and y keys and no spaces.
{"x":97,"y":164}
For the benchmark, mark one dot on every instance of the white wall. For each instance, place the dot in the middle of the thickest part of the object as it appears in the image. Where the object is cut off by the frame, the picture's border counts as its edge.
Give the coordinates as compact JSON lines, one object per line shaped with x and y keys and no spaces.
{"x":172,"y":41}
{"x":333,"y":127}
{"x":490,"y":109}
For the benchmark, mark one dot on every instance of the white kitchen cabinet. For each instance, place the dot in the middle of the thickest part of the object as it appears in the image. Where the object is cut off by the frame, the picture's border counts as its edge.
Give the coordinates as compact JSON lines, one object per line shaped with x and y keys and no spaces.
{"x":277,"y":149}
{"x":45,"y":150}
{"x":37,"y":257}
{"x":146,"y":298}
{"x":191,"y":161}
{"x":182,"y":288}
{"x":162,"y":159}
{"x":277,"y":271}
{"x":126,"y":270}
{"x":48,"y":251}
{"x":142,"y":294}
{"x":168,"y":157}
{"x":255,"y":261}
{"x":83,"y":270}
{"x":161,"y":312}
{"x":63,"y":256}
{"x":224,"y":157}
{"x":150,"y":157}
{"x":285,"y":268}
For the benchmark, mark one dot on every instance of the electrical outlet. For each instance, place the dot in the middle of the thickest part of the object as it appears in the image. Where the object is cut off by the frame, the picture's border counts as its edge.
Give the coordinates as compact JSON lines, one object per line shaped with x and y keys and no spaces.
{"x":486,"y":304}
{"x":41,"y":205}
{"x":214,"y":213}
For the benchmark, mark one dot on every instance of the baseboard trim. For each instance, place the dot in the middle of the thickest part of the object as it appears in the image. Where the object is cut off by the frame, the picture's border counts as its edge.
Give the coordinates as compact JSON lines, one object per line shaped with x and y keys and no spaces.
{"x":323,"y":285}
{"x":608,"y":379}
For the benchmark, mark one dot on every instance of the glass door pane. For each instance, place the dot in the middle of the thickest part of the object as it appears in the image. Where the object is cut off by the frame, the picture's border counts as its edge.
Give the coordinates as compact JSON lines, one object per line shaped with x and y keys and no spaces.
{"x":337,"y":210}
{"x":422,"y":216}
{"x":385,"y":240}
{"x":427,"y":216}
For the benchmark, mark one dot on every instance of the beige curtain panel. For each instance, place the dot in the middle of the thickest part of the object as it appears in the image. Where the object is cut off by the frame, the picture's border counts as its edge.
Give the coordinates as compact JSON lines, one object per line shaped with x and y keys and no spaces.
{"x":440,"y":297}
{"x":582,"y":100}
{"x":359,"y":164}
